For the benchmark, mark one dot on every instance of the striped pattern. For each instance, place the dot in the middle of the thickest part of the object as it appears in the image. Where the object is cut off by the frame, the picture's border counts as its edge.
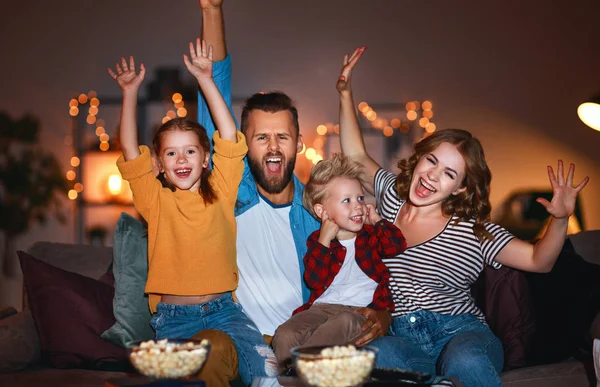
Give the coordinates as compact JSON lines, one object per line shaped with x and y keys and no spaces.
{"x":437,"y":274}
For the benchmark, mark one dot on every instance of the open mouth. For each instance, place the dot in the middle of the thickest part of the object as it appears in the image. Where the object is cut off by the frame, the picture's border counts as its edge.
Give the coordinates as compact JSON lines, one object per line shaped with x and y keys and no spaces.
{"x":357,"y":218}
{"x":274,"y":164}
{"x":424,"y":189}
{"x":183,"y":173}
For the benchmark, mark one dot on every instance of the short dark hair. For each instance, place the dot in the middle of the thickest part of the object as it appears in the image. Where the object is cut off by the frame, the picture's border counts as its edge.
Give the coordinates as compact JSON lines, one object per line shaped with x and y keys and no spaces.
{"x":271,"y":102}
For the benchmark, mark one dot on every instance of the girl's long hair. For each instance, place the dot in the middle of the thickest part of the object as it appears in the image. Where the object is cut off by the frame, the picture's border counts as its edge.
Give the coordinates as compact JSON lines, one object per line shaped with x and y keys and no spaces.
{"x":473,"y":202}
{"x":205,"y":190}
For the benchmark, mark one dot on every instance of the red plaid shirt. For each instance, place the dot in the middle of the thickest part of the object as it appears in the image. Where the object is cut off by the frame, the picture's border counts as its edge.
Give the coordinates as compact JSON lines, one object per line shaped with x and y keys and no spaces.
{"x":322,"y":264}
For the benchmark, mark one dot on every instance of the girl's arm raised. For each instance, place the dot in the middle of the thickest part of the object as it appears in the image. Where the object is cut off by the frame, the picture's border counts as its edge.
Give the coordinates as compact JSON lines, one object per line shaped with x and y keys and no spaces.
{"x":199,"y":64}
{"x":129,"y":82}
{"x":351,"y":138}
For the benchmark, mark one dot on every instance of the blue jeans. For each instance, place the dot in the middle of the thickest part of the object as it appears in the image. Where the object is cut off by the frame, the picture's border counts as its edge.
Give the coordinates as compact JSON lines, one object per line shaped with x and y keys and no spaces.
{"x":256,"y":358}
{"x":458,"y":346}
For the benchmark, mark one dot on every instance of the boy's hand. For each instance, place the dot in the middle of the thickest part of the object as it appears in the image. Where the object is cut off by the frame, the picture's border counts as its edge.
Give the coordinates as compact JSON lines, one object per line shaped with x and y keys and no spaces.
{"x":208,"y":4}
{"x":200,"y":62}
{"x":343,"y":82}
{"x":329,"y":230}
{"x":126,"y":77}
{"x":372,"y":215}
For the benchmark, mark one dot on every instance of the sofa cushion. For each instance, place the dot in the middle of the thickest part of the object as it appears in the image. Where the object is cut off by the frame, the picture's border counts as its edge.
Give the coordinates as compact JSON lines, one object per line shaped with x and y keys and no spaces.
{"x":70,"y":313}
{"x":503,"y":296}
{"x":130,"y":269}
{"x":566,"y":301}
{"x":89,"y":261}
{"x":20,"y":342}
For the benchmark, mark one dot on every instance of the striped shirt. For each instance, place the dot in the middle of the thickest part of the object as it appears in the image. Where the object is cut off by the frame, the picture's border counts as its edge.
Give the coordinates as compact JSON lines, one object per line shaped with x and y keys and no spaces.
{"x":437,"y":275}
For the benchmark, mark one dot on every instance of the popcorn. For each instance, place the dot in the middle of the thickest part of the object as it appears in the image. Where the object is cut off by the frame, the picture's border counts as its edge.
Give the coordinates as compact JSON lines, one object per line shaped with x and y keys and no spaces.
{"x":336,"y":366}
{"x":163,"y":359}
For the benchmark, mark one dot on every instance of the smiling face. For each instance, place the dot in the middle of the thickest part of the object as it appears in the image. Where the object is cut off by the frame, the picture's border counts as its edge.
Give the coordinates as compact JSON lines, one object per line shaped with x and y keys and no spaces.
{"x":437,"y":175}
{"x":182,"y":159}
{"x":272,"y":148}
{"x":345,"y":205}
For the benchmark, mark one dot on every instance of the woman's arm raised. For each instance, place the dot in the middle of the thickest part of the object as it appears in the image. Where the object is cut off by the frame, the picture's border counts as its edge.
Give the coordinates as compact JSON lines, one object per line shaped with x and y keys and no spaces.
{"x":351,"y":138}
{"x":542,"y":256}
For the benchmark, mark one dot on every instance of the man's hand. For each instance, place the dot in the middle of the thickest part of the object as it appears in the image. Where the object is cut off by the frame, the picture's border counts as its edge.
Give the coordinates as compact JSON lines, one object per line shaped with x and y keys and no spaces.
{"x":126,"y":77}
{"x":377,"y":324}
{"x":208,"y":4}
{"x":200,"y":61}
{"x":329,"y":229}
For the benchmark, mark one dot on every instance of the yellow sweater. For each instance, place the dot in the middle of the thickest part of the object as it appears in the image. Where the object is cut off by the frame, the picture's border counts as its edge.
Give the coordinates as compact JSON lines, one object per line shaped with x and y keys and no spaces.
{"x":191,"y":246}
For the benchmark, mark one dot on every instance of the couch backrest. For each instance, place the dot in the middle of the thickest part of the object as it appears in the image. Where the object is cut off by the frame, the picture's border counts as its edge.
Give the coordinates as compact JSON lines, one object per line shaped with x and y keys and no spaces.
{"x":90,"y":261}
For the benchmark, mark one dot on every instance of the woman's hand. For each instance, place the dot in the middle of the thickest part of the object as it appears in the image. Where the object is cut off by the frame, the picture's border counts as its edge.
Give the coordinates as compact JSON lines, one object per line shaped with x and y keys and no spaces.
{"x":564,"y":195}
{"x":200,"y":61}
{"x":343,"y":82}
{"x":377,"y":324}
{"x":126,"y":77}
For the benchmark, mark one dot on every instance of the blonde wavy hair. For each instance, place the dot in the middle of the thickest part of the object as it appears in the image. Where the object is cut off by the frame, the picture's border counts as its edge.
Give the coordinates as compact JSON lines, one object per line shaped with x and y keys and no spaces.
{"x":315,"y":190}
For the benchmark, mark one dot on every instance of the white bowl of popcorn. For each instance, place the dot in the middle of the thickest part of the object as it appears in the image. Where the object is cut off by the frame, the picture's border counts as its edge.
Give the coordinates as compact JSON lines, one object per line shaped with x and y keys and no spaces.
{"x":336,"y":366}
{"x":169,"y":358}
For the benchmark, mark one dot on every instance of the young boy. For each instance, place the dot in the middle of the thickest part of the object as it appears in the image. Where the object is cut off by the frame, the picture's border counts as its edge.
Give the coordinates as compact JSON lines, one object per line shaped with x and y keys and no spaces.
{"x":343,"y":267}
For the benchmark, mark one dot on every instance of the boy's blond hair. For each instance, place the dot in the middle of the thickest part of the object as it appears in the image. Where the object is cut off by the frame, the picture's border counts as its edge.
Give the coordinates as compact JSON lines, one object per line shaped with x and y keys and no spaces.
{"x":315,"y":190}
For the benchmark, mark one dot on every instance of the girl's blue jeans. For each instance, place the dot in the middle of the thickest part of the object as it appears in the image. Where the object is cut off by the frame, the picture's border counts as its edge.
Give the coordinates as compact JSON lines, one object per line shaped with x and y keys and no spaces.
{"x":256,"y":358}
{"x":459,"y":346}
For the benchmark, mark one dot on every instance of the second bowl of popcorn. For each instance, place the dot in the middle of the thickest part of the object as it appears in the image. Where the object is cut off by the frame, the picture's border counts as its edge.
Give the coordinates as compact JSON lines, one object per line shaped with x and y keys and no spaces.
{"x":336,"y":366}
{"x":169,"y":359}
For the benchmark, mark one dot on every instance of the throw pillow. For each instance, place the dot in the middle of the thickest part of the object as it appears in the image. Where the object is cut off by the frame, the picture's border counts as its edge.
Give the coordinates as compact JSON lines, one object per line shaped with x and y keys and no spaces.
{"x":70,"y":312}
{"x":130,"y":270}
{"x":20,"y":342}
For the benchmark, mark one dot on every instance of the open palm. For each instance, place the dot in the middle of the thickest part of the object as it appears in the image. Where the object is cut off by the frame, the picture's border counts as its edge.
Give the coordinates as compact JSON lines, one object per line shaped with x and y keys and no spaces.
{"x":126,"y":76}
{"x":564,"y":195}
{"x":200,"y":61}
{"x":343,"y":82}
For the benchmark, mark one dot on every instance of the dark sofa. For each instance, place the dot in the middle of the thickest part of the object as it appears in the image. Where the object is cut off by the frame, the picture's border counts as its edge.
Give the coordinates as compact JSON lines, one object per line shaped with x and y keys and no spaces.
{"x":23,"y":363}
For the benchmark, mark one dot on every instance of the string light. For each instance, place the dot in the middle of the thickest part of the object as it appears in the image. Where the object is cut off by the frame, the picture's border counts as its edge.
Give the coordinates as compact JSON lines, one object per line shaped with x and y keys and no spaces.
{"x":321,"y":130}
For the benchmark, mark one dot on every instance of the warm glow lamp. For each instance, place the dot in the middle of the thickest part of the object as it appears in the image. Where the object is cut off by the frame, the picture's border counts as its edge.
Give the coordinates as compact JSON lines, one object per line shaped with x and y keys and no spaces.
{"x":114,"y":184}
{"x":589,"y":112}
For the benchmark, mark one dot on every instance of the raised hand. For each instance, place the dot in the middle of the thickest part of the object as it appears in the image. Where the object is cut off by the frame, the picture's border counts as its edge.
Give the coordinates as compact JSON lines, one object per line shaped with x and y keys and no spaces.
{"x":564,"y":195}
{"x":343,"y":82}
{"x":126,"y":77}
{"x":329,"y":229}
{"x":207,"y":4}
{"x":372,"y":215}
{"x":200,"y":61}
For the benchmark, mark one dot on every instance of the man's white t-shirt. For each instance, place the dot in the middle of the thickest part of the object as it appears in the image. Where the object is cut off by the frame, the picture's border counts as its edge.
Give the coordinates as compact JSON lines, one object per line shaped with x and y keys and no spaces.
{"x":351,"y":286}
{"x":269,"y":270}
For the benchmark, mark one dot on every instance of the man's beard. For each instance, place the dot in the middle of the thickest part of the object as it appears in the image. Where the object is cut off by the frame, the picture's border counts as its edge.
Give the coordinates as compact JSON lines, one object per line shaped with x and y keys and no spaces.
{"x":274,"y":185}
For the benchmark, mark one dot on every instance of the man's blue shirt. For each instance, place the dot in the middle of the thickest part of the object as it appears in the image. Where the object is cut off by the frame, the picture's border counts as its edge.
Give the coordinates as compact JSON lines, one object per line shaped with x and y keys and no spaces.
{"x":302,"y":223}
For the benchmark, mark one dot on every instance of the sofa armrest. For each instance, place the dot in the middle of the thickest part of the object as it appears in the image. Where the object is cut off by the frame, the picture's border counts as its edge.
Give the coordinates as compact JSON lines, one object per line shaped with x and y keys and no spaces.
{"x":7,"y":312}
{"x":20,"y":342}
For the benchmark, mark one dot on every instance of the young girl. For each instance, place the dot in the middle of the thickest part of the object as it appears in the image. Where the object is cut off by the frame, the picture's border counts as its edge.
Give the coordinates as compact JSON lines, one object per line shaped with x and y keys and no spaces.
{"x":440,"y":201}
{"x":191,"y":226}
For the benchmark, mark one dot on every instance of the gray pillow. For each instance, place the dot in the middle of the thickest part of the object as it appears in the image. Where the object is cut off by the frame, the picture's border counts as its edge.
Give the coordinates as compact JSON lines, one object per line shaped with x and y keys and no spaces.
{"x":130,"y":268}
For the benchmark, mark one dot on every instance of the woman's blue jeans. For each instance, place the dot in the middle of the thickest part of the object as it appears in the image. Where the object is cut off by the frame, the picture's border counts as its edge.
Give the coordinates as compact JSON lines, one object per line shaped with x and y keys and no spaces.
{"x":459,"y":346}
{"x":256,"y":358}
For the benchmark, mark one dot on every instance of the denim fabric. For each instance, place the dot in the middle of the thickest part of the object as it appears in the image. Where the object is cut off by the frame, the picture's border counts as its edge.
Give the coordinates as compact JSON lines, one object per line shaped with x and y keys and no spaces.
{"x":301,"y":221}
{"x":256,"y":358}
{"x":459,"y":346}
